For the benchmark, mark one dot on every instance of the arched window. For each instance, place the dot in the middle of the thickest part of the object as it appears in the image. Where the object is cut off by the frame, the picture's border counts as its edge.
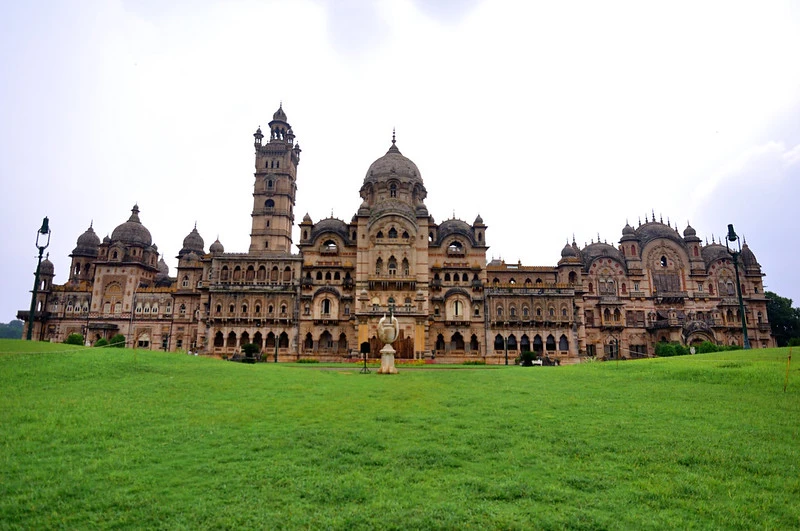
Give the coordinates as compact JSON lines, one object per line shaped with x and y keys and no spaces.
{"x":337,"y":276}
{"x":405,"y":235}
{"x":499,"y":311}
{"x":473,"y":343}
{"x":406,"y":268}
{"x":606,"y":315}
{"x":219,"y":309}
{"x":183,"y":309}
{"x":663,"y":261}
{"x":283,"y":308}
{"x":551,"y":343}
{"x":326,"y":307}
{"x":319,"y":275}
{"x":380,"y":234}
{"x":392,"y":266}
{"x":447,"y":277}
{"x":563,"y":344}
{"x":512,"y":311}
{"x":572,"y":277}
{"x":440,"y":342}
{"x":244,"y":309}
{"x":231,"y":309}
{"x":525,"y":311}
{"x":379,"y":266}
{"x":250,"y":274}
{"x":392,"y":233}
{"x":269,"y":203}
{"x":328,"y":275}
{"x":498,"y":342}
{"x":308,"y":344}
{"x":458,"y":308}
{"x":457,"y":341}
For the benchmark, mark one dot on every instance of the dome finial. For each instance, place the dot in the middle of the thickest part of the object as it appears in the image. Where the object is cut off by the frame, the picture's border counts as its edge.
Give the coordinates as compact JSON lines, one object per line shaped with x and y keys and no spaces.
{"x":394,"y":139}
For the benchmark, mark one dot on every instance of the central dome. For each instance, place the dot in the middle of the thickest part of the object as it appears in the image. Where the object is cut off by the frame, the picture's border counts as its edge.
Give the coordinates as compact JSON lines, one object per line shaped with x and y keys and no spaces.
{"x":132,"y":231}
{"x":393,"y":165}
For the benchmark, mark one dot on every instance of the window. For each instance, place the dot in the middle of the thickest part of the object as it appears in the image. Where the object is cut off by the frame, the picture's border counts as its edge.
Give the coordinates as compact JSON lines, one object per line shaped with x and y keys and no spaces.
{"x":499,"y":311}
{"x":185,"y":282}
{"x":406,"y":268}
{"x":326,"y":307}
{"x":244,"y":308}
{"x":269,"y":203}
{"x":392,"y":192}
{"x":392,"y":266}
{"x":457,"y":308}
{"x":663,"y":261}
{"x":700,"y":287}
{"x":392,"y":233}
{"x":347,"y":309}
{"x":231,"y":309}
{"x":477,"y":311}
{"x":563,"y":344}
{"x":219,"y":309}
{"x":183,"y":309}
{"x":379,"y":266}
{"x":283,"y":308}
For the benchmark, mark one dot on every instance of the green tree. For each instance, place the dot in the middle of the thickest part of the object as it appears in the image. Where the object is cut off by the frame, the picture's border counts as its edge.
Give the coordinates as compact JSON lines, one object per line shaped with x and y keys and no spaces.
{"x":74,"y":339}
{"x":783,"y":318}
{"x":117,"y":341}
{"x":250,"y":350}
{"x":102,"y":342}
{"x":12,"y":330}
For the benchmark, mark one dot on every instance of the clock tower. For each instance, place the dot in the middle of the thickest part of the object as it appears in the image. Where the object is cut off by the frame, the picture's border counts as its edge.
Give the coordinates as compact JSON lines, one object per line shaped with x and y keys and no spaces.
{"x":274,"y":188}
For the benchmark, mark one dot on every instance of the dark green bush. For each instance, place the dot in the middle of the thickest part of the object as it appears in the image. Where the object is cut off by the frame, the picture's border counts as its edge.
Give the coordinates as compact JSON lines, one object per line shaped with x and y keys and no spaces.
{"x":705,"y":347}
{"x":665,"y":350}
{"x":74,"y":339}
{"x":307,"y":360}
{"x":117,"y":341}
{"x":794,"y":342}
{"x":102,"y":342}
{"x":526,"y":358}
{"x":474,"y":362}
{"x":250,"y":349}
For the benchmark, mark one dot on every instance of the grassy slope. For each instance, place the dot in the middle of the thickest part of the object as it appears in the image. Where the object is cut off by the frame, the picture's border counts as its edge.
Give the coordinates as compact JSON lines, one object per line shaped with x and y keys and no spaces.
{"x":109,"y":438}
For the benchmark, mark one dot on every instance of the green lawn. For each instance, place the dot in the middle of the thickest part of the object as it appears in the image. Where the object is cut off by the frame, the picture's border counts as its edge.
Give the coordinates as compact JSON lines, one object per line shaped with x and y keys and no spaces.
{"x":107,"y":438}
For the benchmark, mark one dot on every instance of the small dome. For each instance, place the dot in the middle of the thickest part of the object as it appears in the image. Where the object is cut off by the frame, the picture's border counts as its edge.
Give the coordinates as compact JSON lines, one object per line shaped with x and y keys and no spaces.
{"x":478,"y":220}
{"x":163,"y":268}
{"x":87,"y":243}
{"x":193,"y":242}
{"x":748,"y":258}
{"x":47,"y":268}
{"x":689,"y":231}
{"x":569,"y":251}
{"x":307,"y":218}
{"x":279,"y":114}
{"x":627,"y":229}
{"x":216,"y":247}
{"x":132,"y":231}
{"x":106,"y":240}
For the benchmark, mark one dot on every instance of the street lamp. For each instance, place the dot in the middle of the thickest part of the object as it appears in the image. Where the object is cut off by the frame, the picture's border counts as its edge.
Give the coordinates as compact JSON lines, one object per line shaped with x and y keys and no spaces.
{"x":732,"y":237}
{"x":505,"y":347}
{"x":41,"y":233}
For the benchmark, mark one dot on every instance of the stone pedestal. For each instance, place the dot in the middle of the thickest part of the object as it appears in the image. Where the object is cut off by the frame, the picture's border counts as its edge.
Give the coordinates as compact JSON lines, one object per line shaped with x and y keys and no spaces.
{"x":387,"y":360}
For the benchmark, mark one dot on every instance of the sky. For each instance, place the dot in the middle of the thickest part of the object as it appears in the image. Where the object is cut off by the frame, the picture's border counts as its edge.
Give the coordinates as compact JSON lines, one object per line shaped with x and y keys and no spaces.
{"x":549,"y":119}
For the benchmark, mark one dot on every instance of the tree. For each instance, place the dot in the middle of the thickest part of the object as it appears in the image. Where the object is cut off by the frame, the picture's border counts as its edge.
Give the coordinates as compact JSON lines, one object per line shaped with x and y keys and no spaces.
{"x":250,"y":350}
{"x":12,"y":330}
{"x":74,"y":339}
{"x":783,"y":319}
{"x":117,"y":341}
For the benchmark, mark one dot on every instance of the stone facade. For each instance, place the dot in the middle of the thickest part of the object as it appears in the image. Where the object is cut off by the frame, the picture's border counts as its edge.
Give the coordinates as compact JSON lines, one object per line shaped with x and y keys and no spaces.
{"x":325,"y":301}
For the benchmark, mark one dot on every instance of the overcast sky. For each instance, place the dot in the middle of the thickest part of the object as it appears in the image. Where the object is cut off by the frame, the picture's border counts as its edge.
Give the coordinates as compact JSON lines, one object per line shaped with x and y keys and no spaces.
{"x":546,"y":118}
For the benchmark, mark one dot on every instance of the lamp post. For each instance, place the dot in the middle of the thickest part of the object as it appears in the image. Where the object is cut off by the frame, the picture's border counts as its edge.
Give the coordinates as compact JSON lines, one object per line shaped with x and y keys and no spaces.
{"x":732,"y":237}
{"x":41,"y":233}
{"x":505,"y":347}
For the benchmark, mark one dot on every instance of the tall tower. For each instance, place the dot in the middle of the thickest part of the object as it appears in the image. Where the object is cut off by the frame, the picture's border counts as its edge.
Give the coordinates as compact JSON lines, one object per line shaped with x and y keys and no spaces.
{"x":274,"y":188}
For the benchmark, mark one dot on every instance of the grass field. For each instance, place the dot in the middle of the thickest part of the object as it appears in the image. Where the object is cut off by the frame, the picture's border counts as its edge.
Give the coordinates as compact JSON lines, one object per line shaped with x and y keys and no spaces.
{"x":105,"y":438}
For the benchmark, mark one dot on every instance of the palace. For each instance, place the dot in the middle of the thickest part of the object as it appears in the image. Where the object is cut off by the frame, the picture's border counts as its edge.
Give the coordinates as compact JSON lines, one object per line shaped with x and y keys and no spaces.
{"x":325,"y":300}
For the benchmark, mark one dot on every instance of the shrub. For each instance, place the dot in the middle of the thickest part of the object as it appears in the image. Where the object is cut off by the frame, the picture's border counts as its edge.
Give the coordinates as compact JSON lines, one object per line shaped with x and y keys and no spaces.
{"x":665,"y":350}
{"x":102,"y":342}
{"x":794,"y":342}
{"x":307,"y":360}
{"x":117,"y":341}
{"x":250,"y":349}
{"x":74,"y":339}
{"x":526,"y":358}
{"x":705,"y":347}
{"x":475,"y":362}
